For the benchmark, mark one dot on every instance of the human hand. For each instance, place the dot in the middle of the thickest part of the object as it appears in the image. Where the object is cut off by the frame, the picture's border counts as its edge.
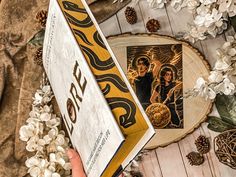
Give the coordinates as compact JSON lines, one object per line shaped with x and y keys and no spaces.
{"x":76,"y":164}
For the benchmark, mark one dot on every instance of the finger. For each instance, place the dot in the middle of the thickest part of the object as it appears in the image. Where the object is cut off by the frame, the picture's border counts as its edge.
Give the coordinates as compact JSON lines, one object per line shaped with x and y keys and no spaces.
{"x":76,"y":164}
{"x":121,"y":175}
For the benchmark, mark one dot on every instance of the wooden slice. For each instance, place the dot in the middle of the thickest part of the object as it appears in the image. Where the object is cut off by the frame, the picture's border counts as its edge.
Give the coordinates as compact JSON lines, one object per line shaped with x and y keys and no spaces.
{"x":194,"y":65}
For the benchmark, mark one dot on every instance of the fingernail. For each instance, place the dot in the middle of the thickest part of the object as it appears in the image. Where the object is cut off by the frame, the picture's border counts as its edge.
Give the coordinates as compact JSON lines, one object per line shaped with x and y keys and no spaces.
{"x":70,"y":153}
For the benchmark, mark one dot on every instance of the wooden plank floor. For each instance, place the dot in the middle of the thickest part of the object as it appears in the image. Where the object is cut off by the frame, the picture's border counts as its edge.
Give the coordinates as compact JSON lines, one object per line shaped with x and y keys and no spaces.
{"x":171,"y":161}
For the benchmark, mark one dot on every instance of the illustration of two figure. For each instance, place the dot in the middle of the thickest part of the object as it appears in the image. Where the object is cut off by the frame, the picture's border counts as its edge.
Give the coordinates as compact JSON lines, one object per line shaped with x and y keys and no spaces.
{"x":166,"y":90}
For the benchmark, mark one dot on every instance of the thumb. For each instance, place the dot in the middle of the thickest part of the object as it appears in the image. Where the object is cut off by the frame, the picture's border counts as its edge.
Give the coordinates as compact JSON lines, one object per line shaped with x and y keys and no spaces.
{"x":76,"y":164}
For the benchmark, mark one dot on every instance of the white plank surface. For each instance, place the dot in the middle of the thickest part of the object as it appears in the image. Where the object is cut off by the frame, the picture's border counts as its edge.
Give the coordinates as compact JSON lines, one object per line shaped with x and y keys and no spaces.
{"x":150,"y":165}
{"x":171,"y":161}
{"x":110,"y":26}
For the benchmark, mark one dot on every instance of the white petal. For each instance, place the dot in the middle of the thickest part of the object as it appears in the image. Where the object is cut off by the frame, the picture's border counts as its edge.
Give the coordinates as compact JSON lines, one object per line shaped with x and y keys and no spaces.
{"x":220,"y":65}
{"x":61,"y":161}
{"x":60,"y":149}
{"x":60,"y":140}
{"x":232,"y":52}
{"x":200,"y":82}
{"x":47,"y":108}
{"x":45,"y":116}
{"x":56,"y":175}
{"x":24,"y":136}
{"x":52,"y":167}
{"x":215,"y":76}
{"x":211,"y":93}
{"x":46,"y":89}
{"x":67,"y":166}
{"x":53,"y":132}
{"x":32,"y":161}
{"x":47,"y":139}
{"x":31,"y":147}
{"x":34,"y":171}
{"x":230,"y":38}
{"x":226,"y":45}
{"x":41,"y":142}
{"x":47,"y":173}
{"x":52,"y":157}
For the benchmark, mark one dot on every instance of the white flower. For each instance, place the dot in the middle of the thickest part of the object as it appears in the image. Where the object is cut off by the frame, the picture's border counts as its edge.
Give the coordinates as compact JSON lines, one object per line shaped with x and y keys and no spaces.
{"x":177,"y":4}
{"x":226,"y":45}
{"x":34,"y":113}
{"x":192,"y":4}
{"x":232,"y":73}
{"x":47,"y":173}
{"x":221,"y":65}
{"x":212,"y":30}
{"x":43,"y":137}
{"x":46,"y":99}
{"x":67,"y":166}
{"x":195,"y":33}
{"x":224,"y":5}
{"x":45,"y":117}
{"x":35,"y":144}
{"x":228,"y":49}
{"x":47,"y":139}
{"x":226,"y":87}
{"x":216,"y":17}
{"x":203,"y":90}
{"x":57,"y":158}
{"x":56,"y":175}
{"x":203,"y":10}
{"x":46,"y":90}
{"x":208,"y":19}
{"x":32,"y":161}
{"x":207,"y":2}
{"x":232,"y":52}
{"x":34,"y":171}
{"x":156,"y":3}
{"x":232,"y":9}
{"x":215,"y":76}
{"x":47,"y":109}
{"x":26,"y":132}
{"x":230,"y":39}
{"x":53,"y":122}
{"x":53,"y":132}
{"x":60,"y":140}
{"x":37,"y":99}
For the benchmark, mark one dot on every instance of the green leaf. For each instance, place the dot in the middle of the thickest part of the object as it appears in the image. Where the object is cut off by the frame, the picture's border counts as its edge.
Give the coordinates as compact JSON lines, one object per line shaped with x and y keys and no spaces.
{"x":37,"y":39}
{"x":233,"y":22}
{"x":226,"y":106}
{"x":216,"y":124}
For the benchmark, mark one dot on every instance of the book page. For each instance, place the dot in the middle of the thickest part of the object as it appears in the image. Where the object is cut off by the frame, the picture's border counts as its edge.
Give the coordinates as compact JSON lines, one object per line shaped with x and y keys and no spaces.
{"x":87,"y":116}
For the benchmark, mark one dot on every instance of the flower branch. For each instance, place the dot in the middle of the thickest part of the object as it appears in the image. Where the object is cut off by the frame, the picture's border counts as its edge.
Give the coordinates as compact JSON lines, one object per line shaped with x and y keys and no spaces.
{"x":43,"y":136}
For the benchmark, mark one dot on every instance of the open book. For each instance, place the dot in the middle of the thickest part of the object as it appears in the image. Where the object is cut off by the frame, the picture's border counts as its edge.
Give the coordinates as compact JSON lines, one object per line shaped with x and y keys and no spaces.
{"x":106,"y":123}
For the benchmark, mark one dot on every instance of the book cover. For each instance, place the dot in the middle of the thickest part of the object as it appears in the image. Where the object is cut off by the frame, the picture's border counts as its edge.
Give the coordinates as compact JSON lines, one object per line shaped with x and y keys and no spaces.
{"x":105,"y":121}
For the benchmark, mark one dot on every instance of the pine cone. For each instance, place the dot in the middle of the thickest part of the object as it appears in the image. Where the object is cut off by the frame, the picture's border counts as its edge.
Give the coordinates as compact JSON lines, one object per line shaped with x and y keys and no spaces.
{"x":38,"y":57}
{"x":130,"y":15}
{"x":153,"y":25}
{"x":41,"y":17}
{"x":195,"y":158}
{"x":202,"y":144}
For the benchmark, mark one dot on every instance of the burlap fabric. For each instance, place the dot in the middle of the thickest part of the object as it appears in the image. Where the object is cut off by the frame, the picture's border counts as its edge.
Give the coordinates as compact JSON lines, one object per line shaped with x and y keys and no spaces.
{"x":20,"y":76}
